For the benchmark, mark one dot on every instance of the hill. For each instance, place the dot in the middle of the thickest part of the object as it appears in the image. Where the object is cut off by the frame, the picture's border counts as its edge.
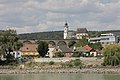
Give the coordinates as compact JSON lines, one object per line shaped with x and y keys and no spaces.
{"x":42,"y":35}
{"x":59,"y":34}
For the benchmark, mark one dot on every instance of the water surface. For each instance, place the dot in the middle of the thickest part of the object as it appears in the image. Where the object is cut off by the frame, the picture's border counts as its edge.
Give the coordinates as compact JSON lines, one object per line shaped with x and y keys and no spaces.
{"x":60,"y":76}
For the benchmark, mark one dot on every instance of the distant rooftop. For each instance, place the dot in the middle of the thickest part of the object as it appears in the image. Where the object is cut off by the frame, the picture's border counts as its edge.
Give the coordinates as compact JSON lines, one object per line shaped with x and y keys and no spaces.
{"x":82,"y":30}
{"x":65,"y":49}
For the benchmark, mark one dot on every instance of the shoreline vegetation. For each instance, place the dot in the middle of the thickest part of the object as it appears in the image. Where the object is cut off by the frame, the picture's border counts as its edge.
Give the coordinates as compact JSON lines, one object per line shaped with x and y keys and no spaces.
{"x":102,"y":70}
{"x":34,"y":68}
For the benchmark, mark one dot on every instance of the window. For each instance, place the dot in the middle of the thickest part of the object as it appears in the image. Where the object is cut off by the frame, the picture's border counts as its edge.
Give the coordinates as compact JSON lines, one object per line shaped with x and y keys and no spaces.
{"x":105,"y":39}
{"x":56,"y":49}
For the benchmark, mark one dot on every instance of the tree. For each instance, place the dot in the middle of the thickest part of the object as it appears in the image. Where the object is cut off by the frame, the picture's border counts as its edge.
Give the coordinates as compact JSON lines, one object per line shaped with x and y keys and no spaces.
{"x":42,"y":48}
{"x":97,"y":45}
{"x":111,"y":55}
{"x":9,"y":42}
{"x":82,"y":42}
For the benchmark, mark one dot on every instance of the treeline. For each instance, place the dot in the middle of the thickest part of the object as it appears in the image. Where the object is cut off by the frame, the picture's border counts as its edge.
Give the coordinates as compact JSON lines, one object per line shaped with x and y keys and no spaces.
{"x":59,"y":34}
{"x":97,"y":33}
{"x":42,"y":35}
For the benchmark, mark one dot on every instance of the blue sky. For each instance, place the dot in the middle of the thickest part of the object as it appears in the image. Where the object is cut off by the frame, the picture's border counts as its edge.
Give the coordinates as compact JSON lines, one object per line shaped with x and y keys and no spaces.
{"x":28,"y":16}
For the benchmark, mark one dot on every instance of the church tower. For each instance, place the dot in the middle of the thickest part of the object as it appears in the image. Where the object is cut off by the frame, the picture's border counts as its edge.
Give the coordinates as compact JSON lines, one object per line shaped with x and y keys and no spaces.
{"x":66,"y":29}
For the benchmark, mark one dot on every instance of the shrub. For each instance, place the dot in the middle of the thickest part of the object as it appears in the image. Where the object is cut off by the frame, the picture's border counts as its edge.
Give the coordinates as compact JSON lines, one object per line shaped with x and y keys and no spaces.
{"x":70,"y":65}
{"x":77,"y":62}
{"x":51,"y":63}
{"x":63,"y":65}
{"x":59,"y":54}
{"x":30,"y":64}
{"x":76,"y":54}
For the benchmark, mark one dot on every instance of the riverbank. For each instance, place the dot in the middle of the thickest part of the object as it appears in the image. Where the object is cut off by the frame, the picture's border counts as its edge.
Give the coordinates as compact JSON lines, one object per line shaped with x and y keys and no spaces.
{"x":74,"y":66}
{"x":61,"y":70}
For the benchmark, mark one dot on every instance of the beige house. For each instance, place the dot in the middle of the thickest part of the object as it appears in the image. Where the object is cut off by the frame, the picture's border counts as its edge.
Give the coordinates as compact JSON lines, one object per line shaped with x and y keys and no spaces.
{"x":29,"y":49}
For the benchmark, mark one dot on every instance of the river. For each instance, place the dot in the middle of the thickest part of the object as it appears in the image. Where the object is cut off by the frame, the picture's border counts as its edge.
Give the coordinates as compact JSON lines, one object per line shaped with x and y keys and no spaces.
{"x":60,"y":76}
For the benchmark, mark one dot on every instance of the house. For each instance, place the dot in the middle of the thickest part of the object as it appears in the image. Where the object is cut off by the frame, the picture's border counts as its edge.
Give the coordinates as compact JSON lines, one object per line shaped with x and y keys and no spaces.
{"x":67,"y":51}
{"x":83,"y":51}
{"x":29,"y":49}
{"x":91,"y":50}
{"x":62,"y":48}
{"x":51,"y":50}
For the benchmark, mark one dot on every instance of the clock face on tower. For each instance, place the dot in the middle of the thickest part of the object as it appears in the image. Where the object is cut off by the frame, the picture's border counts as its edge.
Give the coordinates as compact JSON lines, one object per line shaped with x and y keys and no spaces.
{"x":65,"y":29}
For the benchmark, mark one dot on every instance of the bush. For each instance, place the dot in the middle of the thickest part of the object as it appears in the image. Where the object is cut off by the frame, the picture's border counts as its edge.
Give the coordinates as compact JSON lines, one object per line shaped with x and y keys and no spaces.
{"x":59,"y":54}
{"x":30,"y":64}
{"x":51,"y":63}
{"x":77,"y":62}
{"x":30,"y":56}
{"x":76,"y":54}
{"x":63,"y":65}
{"x":70,"y":65}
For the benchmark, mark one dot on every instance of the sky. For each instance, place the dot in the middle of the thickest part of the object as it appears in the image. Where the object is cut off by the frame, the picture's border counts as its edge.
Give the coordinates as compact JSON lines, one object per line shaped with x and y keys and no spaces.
{"x":28,"y":16}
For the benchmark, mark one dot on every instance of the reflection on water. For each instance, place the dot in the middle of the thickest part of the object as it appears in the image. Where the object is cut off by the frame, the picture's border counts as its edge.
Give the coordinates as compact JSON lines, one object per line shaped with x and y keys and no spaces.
{"x":59,"y":76}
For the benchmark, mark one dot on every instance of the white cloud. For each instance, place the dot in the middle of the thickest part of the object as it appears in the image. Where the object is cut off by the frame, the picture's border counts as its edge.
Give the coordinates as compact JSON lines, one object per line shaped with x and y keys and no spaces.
{"x":52,"y":15}
{"x":44,"y":15}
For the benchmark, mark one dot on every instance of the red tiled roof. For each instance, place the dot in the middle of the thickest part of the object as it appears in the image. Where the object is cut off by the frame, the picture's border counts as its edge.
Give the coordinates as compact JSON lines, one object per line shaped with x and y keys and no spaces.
{"x":81,"y":49}
{"x":29,"y":48}
{"x":87,"y":48}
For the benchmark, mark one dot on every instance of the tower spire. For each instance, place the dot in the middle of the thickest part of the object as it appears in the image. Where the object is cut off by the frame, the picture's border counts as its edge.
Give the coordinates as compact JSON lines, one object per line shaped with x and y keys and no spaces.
{"x":66,"y":24}
{"x":66,"y":29}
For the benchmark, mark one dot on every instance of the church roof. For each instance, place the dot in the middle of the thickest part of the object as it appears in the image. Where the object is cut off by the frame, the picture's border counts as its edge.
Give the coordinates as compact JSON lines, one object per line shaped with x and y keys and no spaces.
{"x":82,"y":30}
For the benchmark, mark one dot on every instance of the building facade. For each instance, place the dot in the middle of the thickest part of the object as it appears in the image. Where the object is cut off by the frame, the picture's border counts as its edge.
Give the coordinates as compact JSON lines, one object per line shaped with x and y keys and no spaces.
{"x":104,"y":39}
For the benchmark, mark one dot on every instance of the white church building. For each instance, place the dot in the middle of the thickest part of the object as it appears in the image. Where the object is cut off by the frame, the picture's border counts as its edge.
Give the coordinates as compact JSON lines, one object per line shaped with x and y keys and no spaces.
{"x":75,"y":34}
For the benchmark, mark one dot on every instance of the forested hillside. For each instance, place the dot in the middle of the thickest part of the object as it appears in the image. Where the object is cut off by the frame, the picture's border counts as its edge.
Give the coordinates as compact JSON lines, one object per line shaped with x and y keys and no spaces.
{"x":59,"y":34}
{"x":42,"y":35}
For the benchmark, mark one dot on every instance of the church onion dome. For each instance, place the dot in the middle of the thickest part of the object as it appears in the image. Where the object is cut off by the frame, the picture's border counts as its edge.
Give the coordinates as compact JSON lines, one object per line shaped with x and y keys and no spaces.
{"x":66,"y":24}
